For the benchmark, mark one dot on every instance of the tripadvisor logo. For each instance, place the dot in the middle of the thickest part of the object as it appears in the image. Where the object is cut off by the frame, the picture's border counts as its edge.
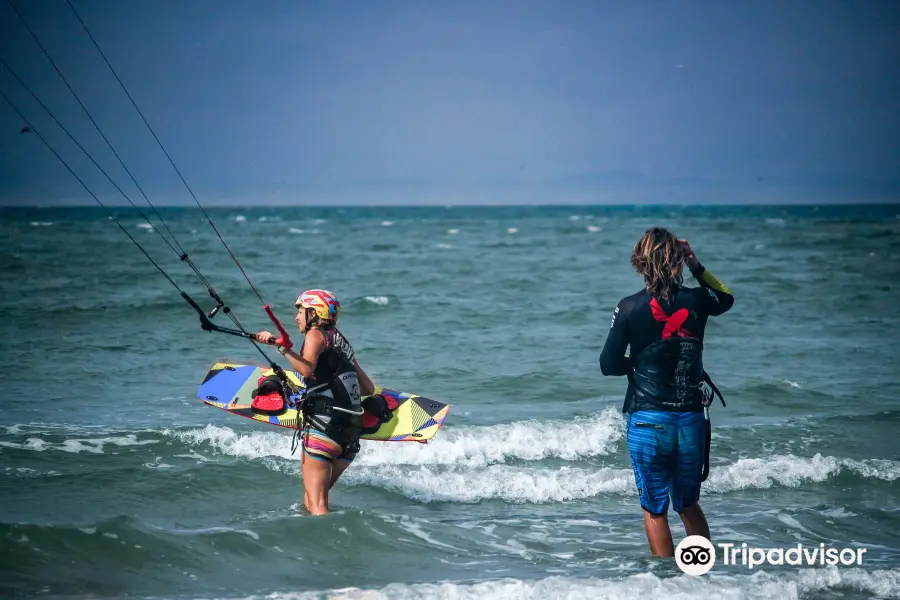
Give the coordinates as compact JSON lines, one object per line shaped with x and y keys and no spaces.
{"x":696,"y":555}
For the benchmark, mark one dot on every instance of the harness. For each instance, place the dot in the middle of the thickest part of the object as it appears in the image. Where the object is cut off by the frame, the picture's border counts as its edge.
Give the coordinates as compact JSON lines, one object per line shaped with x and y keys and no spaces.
{"x":708,"y":395}
{"x":273,"y":396}
{"x":342,"y":425}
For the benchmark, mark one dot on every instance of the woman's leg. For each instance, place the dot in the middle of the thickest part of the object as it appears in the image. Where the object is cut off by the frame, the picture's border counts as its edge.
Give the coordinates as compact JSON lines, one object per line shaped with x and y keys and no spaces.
{"x":339,"y":467}
{"x":319,"y":454}
{"x":316,"y":476}
{"x":343,"y":461}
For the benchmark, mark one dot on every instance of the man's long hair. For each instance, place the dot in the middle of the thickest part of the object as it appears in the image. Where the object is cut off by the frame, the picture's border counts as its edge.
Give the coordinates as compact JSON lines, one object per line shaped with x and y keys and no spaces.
{"x":659,"y":257}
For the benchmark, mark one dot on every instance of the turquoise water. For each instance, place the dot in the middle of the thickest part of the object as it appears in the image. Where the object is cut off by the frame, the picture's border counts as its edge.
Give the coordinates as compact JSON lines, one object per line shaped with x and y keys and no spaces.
{"x":116,"y":481}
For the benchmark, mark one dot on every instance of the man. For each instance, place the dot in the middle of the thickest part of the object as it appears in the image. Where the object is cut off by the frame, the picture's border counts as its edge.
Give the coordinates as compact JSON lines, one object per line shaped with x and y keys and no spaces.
{"x":664,"y":405}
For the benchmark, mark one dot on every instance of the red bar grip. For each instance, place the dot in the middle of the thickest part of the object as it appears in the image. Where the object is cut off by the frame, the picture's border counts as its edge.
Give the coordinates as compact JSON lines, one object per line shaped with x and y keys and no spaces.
{"x":283,"y":340}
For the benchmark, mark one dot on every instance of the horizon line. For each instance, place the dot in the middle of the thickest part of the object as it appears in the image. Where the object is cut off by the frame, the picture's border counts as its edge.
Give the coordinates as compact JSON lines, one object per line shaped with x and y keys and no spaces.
{"x":464,"y":205}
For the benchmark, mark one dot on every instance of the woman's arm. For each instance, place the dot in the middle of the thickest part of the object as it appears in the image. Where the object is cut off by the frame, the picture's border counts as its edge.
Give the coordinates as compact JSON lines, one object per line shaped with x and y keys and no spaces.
{"x":366,"y":387}
{"x":305,"y":363}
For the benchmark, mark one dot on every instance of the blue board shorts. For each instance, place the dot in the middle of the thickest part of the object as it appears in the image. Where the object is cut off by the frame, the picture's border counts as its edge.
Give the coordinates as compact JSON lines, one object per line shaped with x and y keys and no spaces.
{"x":667,"y":455}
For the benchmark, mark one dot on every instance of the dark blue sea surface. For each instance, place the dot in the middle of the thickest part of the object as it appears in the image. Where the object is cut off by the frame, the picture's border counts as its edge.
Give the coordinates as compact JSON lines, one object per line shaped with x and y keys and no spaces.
{"x":116,"y":481}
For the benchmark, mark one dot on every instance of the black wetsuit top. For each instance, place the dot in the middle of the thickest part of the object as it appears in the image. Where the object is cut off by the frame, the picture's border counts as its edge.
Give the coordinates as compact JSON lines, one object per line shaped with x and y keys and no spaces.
{"x":337,"y":356}
{"x":336,"y":367}
{"x":665,"y":369}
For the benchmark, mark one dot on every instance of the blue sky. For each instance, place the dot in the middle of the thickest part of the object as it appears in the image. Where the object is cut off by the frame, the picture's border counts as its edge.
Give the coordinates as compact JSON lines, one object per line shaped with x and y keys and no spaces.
{"x":462,"y":102}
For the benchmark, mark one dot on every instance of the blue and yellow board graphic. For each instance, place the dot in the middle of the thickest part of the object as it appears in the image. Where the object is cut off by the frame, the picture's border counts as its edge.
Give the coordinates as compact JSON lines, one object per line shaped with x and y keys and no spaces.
{"x":228,"y":386}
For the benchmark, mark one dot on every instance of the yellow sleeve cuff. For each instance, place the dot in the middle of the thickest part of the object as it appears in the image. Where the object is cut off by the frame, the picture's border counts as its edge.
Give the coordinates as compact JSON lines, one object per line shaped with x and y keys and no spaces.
{"x":714,"y":282}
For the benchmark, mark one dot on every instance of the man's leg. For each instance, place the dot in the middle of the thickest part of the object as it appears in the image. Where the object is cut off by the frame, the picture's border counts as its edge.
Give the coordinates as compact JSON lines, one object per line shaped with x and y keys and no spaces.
{"x":686,"y":486}
{"x":695,"y":521}
{"x":650,"y":438}
{"x":658,"y":534}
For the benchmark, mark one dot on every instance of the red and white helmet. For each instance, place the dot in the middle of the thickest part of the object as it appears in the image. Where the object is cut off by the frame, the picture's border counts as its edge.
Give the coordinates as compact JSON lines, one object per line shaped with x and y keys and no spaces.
{"x":323,"y":302}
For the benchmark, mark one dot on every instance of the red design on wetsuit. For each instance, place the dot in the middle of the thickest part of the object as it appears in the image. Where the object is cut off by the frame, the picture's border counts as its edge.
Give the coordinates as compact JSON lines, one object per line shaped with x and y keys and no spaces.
{"x":673,"y":322}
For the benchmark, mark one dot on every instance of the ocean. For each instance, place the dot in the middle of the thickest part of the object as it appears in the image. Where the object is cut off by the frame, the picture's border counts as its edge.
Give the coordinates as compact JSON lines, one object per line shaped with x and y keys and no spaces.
{"x":116,"y":481}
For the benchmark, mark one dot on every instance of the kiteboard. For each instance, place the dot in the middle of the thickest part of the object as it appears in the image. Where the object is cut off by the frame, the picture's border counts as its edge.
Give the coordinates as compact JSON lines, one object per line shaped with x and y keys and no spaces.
{"x":228,"y":386}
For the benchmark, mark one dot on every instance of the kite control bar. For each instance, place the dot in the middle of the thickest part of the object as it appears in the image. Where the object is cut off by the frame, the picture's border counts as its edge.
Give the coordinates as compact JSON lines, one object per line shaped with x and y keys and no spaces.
{"x":207,"y":325}
{"x":283,"y":340}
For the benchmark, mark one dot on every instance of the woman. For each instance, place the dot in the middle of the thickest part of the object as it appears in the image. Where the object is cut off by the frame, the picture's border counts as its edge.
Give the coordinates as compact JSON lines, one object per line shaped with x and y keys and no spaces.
{"x":336,"y":384}
{"x":664,"y":325}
